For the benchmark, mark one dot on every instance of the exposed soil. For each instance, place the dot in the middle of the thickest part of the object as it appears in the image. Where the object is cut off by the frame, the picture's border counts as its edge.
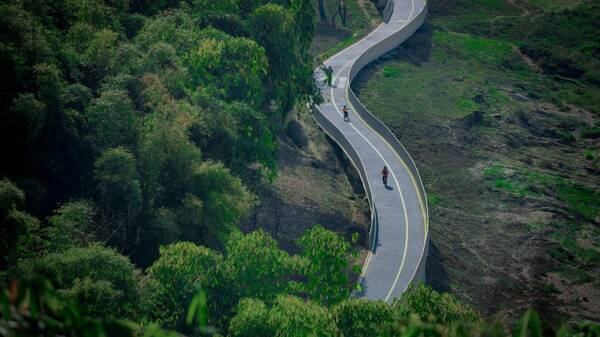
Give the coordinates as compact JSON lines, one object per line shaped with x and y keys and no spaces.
{"x":327,"y":37}
{"x":316,"y":184}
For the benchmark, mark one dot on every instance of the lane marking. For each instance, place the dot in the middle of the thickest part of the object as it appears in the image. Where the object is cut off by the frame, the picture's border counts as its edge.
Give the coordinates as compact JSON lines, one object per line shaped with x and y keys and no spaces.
{"x":413,"y":179}
{"x":424,"y":214}
{"x":369,"y":253}
{"x":395,"y":180}
{"x":421,"y":201}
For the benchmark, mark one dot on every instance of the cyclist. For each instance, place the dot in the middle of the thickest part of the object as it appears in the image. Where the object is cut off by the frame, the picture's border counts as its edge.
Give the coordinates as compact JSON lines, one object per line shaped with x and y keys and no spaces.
{"x":345,"y":111}
{"x":384,"y":175}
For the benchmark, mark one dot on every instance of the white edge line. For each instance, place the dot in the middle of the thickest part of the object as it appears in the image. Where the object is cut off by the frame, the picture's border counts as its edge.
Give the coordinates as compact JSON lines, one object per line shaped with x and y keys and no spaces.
{"x":423,"y":199}
{"x":393,"y":176}
{"x":425,"y":220}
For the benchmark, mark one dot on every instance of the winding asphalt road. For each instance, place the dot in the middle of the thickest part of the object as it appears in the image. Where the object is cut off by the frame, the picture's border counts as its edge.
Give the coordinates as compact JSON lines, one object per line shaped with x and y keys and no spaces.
{"x":400,"y":225}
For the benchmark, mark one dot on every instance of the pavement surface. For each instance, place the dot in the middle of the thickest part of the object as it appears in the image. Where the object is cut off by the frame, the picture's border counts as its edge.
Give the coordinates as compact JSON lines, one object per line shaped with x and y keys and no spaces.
{"x":395,"y":259}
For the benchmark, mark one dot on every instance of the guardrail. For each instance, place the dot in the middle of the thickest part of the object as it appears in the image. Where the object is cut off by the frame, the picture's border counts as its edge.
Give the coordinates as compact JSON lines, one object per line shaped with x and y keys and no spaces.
{"x":388,"y":11}
{"x":335,"y":134}
{"x":367,"y":57}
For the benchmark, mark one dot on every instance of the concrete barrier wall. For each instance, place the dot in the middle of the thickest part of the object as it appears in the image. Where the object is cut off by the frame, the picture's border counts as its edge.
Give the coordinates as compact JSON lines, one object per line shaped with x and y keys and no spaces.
{"x":387,"y":44}
{"x":335,"y":134}
{"x":369,"y":56}
{"x":388,"y":11}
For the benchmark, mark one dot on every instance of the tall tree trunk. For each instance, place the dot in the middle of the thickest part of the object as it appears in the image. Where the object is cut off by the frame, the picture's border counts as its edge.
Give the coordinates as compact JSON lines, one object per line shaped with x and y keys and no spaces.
{"x":343,"y":11}
{"x":321,"y":9}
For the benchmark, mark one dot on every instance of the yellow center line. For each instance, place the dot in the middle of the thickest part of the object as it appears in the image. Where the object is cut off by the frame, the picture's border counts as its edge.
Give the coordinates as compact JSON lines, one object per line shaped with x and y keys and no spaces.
{"x":395,"y":180}
{"x":413,"y":179}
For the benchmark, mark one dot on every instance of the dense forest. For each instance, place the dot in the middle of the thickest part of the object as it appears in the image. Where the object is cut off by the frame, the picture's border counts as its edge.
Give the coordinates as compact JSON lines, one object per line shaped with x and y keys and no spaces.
{"x":136,"y":135}
{"x":146,"y":113}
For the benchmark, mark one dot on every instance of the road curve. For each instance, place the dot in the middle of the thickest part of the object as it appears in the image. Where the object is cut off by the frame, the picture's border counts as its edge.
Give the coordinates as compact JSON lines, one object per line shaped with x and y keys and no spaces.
{"x":399,"y":227}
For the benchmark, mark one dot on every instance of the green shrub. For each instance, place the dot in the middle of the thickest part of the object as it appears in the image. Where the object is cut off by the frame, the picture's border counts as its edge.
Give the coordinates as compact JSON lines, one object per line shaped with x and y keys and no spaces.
{"x":390,"y":72}
{"x":550,"y":288}
{"x":433,"y":307}
{"x":94,"y":275}
{"x":289,"y":316}
{"x":591,"y":133}
{"x":176,"y":276}
{"x":589,"y":155}
{"x":361,"y":317}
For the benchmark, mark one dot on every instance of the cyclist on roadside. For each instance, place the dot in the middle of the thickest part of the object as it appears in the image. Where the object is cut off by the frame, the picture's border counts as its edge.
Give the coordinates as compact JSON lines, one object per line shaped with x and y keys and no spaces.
{"x":345,"y":111}
{"x":328,"y":74}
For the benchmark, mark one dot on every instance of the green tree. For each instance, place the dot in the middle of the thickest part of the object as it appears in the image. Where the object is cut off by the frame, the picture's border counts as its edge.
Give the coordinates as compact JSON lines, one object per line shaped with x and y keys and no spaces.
{"x":289,"y":316}
{"x":238,"y":135}
{"x":176,"y":276}
{"x":246,"y":7}
{"x":78,"y":97}
{"x":11,"y":197}
{"x":433,"y":307}
{"x":118,"y":197}
{"x":235,"y":67}
{"x":35,"y":308}
{"x":168,"y":159}
{"x":228,"y":6}
{"x":175,"y":27}
{"x":224,"y":198}
{"x":251,"y":319}
{"x":294,"y":317}
{"x":286,"y":34}
{"x":100,"y":57}
{"x":361,"y":317}
{"x":324,"y":260}
{"x":32,"y":114}
{"x":103,"y":281}
{"x":305,"y":21}
{"x":70,"y":226}
{"x":98,"y":298}
{"x":50,"y":88}
{"x":79,"y":36}
{"x":259,"y":267}
{"x":273,"y":27}
{"x":113,"y":120}
{"x":19,"y":231}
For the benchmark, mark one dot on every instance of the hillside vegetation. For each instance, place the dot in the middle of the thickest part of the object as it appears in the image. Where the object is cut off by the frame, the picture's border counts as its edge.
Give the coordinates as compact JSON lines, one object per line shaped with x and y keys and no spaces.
{"x":498,"y":101}
{"x":147,"y":113}
{"x":138,"y":139}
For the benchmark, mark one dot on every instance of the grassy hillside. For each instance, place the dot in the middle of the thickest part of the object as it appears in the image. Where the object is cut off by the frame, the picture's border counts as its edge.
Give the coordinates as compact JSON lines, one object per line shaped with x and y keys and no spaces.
{"x":499,"y":103}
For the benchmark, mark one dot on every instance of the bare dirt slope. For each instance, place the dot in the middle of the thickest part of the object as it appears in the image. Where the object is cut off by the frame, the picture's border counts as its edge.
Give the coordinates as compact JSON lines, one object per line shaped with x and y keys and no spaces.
{"x":315,"y":185}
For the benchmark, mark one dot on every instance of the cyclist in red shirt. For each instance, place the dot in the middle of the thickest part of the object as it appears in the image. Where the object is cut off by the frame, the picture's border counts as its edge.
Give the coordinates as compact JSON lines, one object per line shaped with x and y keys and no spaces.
{"x":384,"y":175}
